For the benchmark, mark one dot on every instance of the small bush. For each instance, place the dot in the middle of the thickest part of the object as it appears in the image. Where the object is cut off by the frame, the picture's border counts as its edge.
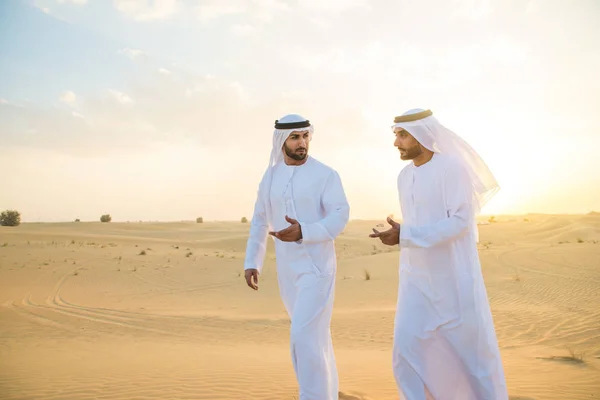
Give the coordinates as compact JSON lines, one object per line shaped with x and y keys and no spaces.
{"x":492,"y":219}
{"x":10,"y":218}
{"x":244,"y":220}
{"x":105,"y":218}
{"x":199,"y":220}
{"x":77,"y":220}
{"x":517,"y":277}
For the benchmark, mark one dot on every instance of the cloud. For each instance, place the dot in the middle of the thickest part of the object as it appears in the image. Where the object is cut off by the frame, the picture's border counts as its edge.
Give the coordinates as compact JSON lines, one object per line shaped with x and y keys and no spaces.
{"x":207,"y":110}
{"x":243,"y":29}
{"x":334,"y":6}
{"x":264,"y":11}
{"x":505,"y":51}
{"x":68,"y":97}
{"x":533,"y":6}
{"x":132,"y":53}
{"x":77,"y":2}
{"x":259,"y":10}
{"x":164,"y":71}
{"x":410,"y":65}
{"x":202,"y":110}
{"x":120,"y":97}
{"x":211,"y":10}
{"x":41,"y":7}
{"x":146,"y":10}
{"x":3,"y":101}
{"x":473,"y":9}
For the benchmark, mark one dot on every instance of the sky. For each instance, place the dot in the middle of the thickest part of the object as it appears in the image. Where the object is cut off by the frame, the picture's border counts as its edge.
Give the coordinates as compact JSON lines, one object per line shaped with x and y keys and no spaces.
{"x":163,"y":110}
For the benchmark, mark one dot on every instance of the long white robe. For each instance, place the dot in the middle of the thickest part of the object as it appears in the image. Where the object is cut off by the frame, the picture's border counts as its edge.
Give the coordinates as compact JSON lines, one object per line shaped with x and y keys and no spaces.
{"x":445,"y":345}
{"x":311,"y":193}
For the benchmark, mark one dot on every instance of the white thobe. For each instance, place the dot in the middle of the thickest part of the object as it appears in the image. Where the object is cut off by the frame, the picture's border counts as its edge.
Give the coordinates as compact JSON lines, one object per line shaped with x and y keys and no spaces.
{"x":311,"y":193}
{"x":445,"y":345}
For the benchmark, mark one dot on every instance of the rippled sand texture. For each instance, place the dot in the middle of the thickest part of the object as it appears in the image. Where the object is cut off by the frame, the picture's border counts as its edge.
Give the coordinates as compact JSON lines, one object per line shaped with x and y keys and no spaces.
{"x":157,"y":311}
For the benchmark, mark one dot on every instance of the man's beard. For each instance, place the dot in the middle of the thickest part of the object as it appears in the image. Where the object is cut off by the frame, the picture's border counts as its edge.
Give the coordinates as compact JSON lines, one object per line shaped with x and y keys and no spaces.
{"x":412,"y":153}
{"x":294,"y":155}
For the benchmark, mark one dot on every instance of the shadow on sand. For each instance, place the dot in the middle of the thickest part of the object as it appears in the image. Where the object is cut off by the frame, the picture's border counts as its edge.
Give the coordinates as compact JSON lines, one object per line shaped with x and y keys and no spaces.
{"x":356,"y":396}
{"x":352,"y":396}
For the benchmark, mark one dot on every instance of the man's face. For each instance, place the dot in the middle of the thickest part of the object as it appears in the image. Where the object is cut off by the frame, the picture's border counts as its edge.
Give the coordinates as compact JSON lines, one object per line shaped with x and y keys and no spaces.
{"x":407,"y":144}
{"x":296,"y":145}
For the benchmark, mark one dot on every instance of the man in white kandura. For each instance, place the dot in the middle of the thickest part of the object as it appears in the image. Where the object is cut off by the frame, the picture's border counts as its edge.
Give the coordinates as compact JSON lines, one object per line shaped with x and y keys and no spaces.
{"x":301,"y":203}
{"x":445,"y":345}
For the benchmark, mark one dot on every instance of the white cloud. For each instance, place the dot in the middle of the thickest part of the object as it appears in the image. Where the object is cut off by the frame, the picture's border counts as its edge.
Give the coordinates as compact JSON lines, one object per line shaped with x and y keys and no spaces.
{"x":533,"y":6}
{"x":259,"y":10}
{"x":473,"y":9}
{"x":120,"y":97}
{"x":3,"y":101}
{"x":77,"y":2}
{"x":131,"y":53}
{"x":164,"y":71}
{"x":211,"y":10}
{"x":147,"y":10}
{"x":243,"y":30}
{"x":264,"y":10}
{"x":334,"y":6}
{"x":459,"y":66}
{"x":206,"y":110}
{"x":68,"y":97}
{"x":504,"y":50}
{"x":361,"y":61}
{"x":37,"y":4}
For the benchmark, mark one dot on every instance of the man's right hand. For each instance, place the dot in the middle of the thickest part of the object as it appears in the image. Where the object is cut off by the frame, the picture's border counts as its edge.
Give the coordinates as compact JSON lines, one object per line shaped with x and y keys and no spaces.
{"x":252,"y":278}
{"x":391,"y":237}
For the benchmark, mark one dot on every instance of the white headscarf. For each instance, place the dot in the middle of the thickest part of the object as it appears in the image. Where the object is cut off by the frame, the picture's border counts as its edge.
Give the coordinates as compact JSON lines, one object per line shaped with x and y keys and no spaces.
{"x":283,"y":129}
{"x":426,"y":129}
{"x":298,"y":123}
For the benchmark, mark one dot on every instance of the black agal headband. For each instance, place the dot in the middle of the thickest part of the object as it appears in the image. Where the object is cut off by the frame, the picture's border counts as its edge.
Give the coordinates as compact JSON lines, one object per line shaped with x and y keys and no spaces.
{"x":291,"y":125}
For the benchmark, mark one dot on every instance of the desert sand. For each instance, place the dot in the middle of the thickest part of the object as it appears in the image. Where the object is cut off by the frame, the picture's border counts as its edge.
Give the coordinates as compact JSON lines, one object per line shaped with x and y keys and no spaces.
{"x":161,"y":311}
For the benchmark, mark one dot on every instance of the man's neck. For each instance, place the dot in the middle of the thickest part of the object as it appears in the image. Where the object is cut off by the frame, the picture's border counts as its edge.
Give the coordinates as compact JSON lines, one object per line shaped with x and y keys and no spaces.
{"x":423,"y":158}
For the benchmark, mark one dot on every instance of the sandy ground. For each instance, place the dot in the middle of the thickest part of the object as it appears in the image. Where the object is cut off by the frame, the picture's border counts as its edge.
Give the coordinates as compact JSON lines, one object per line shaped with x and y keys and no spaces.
{"x":161,"y":311}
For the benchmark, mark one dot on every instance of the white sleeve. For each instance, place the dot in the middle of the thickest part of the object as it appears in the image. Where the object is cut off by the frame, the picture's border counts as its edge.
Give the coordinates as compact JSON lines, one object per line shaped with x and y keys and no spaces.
{"x":458,"y":192}
{"x":256,"y":245}
{"x":337,"y":213}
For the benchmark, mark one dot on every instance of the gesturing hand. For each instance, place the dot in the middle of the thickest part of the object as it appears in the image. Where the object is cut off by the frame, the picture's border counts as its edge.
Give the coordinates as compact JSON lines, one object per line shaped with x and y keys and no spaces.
{"x":292,"y":233}
{"x":391,"y":237}
{"x":252,"y":278}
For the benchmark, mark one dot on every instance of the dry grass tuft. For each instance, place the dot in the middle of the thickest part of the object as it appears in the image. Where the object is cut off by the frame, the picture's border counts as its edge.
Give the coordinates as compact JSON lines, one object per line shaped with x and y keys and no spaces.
{"x":572,"y":357}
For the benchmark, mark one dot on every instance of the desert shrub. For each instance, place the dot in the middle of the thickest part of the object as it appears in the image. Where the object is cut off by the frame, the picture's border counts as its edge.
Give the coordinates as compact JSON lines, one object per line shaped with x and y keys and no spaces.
{"x":244,"y":220}
{"x":105,"y":218}
{"x":77,"y":220}
{"x":492,"y":219}
{"x":199,"y":220}
{"x":10,"y":218}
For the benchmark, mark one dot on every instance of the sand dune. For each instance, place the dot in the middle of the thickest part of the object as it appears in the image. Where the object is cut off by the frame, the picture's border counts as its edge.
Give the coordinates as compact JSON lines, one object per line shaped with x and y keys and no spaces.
{"x":161,"y":310}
